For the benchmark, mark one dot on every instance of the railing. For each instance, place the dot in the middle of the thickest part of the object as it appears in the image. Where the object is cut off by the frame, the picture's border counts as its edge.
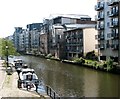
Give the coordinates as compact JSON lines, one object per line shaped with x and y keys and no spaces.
{"x":112,"y":2}
{"x":52,"y":93}
{"x":48,"y":90}
{"x":114,"y":24}
{"x":99,"y":6}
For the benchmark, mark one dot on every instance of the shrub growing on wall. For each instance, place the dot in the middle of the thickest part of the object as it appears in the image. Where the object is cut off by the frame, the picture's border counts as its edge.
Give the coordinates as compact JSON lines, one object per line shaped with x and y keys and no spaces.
{"x":109,"y":63}
{"x":79,"y":60}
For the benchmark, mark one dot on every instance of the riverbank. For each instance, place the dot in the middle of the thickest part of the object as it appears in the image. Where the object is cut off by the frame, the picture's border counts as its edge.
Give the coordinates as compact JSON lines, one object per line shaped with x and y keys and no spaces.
{"x":8,"y":85}
{"x":114,"y":70}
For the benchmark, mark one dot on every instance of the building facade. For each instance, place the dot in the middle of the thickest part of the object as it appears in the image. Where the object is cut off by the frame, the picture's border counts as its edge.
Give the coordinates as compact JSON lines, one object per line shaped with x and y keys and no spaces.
{"x":18,"y":31}
{"x":59,"y":24}
{"x":44,"y":37}
{"x":108,"y":29}
{"x":22,"y":41}
{"x":27,"y":42}
{"x":34,"y":37}
{"x":80,"y":41}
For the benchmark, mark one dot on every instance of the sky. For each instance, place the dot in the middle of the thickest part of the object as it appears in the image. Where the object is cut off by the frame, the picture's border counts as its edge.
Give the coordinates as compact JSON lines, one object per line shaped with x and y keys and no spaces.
{"x":19,"y":13}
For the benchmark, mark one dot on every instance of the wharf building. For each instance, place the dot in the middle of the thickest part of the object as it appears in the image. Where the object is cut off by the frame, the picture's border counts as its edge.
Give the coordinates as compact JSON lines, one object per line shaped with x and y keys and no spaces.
{"x":34,"y":37}
{"x":108,"y":29}
{"x":49,"y":37}
{"x":27,"y":40}
{"x":44,"y":38}
{"x":58,"y":25}
{"x":18,"y":31}
{"x":80,"y":41}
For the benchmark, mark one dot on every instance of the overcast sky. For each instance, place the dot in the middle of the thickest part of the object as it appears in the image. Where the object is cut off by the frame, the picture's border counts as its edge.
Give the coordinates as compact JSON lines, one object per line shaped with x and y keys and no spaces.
{"x":19,"y":13}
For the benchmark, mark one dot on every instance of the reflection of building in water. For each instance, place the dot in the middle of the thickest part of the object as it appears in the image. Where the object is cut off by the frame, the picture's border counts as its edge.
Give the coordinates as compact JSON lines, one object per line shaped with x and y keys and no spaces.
{"x":91,"y":83}
{"x":109,"y":85}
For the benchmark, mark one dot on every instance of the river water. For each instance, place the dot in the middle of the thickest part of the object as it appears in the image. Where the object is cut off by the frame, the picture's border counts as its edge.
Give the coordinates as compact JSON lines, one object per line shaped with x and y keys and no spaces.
{"x":71,"y":80}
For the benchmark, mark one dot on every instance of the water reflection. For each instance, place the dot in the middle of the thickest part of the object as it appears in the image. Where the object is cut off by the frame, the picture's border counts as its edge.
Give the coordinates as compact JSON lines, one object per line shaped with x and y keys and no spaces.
{"x":70,"y":80}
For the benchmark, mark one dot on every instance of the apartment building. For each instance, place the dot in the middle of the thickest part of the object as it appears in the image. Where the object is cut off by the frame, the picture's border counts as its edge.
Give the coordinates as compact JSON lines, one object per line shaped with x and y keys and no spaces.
{"x":79,"y":41}
{"x":44,"y":43}
{"x":44,"y":37}
{"x":27,"y":42}
{"x":108,"y":29}
{"x":34,"y":37}
{"x":60,"y":23}
{"x":35,"y":41}
{"x":18,"y":31}
{"x":22,"y":41}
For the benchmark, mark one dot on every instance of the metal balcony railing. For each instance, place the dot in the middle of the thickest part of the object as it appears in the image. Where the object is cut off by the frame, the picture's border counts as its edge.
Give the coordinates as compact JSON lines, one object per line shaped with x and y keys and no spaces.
{"x":113,"y":13}
{"x":99,"y":6}
{"x":115,"y":35}
{"x":113,"y":2}
{"x":99,"y":17}
{"x":101,"y":46}
{"x":115,"y":46}
{"x":100,"y":26}
{"x":114,"y":24}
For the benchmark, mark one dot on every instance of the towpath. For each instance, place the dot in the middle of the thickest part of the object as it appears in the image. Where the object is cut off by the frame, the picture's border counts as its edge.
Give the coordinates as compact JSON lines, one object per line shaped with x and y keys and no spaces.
{"x":8,"y":85}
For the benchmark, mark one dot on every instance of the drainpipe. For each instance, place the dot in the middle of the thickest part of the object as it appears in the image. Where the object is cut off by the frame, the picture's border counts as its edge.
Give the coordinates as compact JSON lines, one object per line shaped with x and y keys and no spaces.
{"x":119,"y":34}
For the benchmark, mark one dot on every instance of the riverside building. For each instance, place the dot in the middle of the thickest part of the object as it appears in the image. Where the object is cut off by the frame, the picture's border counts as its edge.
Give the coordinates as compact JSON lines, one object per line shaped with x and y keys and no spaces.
{"x":108,"y":29}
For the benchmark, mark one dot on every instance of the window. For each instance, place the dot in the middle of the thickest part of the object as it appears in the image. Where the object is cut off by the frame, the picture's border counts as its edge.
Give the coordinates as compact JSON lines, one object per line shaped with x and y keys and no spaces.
{"x":108,"y":24}
{"x":116,"y":31}
{"x":109,"y":35}
{"x":103,"y":58}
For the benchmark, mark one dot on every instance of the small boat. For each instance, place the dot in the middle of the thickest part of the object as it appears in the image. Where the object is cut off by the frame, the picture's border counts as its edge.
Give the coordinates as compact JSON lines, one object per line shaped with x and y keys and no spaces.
{"x":19,"y":69}
{"x":18,"y":60}
{"x":27,"y":79}
{"x":28,"y":74}
{"x":18,"y":63}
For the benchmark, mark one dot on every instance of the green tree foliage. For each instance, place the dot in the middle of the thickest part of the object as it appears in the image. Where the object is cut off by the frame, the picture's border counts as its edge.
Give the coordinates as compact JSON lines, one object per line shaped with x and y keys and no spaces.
{"x":91,"y":55}
{"x":109,"y":63}
{"x":11,"y":49}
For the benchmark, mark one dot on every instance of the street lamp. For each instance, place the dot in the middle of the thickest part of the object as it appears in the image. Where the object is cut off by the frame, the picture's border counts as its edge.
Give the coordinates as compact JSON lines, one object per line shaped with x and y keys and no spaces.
{"x":6,"y":55}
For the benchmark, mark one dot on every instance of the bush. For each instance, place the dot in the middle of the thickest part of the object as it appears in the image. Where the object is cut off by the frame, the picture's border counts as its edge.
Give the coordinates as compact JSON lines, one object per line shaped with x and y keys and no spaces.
{"x":91,"y":55}
{"x":79,"y":60}
{"x":109,"y":63}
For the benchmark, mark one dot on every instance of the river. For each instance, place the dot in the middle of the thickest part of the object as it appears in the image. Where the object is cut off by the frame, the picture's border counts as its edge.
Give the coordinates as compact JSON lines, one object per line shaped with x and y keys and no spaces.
{"x":71,"y":80}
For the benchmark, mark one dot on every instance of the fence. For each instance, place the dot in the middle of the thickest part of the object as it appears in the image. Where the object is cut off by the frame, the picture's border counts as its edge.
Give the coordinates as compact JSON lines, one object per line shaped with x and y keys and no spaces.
{"x":52,"y":93}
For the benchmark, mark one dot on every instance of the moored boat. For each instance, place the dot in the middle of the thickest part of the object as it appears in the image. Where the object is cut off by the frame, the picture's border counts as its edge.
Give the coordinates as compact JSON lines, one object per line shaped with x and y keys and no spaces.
{"x":28,"y":74}
{"x":18,"y":63}
{"x":28,"y":79}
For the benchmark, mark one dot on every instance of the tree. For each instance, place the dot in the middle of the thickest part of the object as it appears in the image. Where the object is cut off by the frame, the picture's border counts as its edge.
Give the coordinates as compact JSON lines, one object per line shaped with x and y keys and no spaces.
{"x":11,"y":49}
{"x":91,"y":55}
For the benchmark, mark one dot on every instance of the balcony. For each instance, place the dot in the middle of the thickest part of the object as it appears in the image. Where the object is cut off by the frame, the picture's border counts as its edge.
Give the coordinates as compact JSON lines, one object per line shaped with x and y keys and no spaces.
{"x":113,"y":2}
{"x":100,"y":27}
{"x":99,"y":6}
{"x":115,"y":46}
{"x":113,"y":13}
{"x":115,"y":35}
{"x":99,"y":37}
{"x":114,"y":24}
{"x":101,"y":46}
{"x":99,"y":17}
